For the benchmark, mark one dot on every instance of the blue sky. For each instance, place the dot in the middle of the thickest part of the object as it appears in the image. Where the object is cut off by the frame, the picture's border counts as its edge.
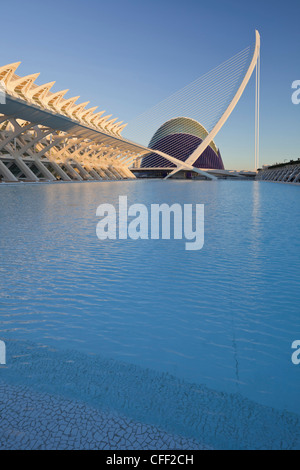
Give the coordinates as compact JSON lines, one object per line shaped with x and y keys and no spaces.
{"x":128,"y":55}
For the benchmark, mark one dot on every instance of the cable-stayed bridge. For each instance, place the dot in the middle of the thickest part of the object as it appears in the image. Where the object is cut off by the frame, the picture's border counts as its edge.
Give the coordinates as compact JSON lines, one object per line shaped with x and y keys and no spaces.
{"x":45,"y":136}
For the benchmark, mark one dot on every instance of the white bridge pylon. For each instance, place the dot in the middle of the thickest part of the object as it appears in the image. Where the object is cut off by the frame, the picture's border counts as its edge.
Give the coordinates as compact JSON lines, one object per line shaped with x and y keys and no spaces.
{"x":188,"y":165}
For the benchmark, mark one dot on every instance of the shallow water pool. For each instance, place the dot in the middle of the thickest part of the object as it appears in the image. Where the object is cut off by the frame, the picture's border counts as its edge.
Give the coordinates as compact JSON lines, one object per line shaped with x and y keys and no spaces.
{"x":190,"y":330}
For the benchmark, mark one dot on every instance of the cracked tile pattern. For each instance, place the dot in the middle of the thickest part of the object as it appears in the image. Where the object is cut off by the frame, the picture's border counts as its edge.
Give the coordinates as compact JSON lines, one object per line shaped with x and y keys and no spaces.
{"x":39,"y":421}
{"x":162,"y":403}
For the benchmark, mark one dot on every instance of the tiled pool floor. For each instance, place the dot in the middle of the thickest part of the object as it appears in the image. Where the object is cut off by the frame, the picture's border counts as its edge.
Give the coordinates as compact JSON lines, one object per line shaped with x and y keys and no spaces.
{"x":52,"y":398}
{"x":33,"y":421}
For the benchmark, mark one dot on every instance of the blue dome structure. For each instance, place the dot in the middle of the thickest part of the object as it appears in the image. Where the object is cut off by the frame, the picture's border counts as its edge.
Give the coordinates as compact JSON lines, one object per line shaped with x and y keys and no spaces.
{"x":179,"y":138}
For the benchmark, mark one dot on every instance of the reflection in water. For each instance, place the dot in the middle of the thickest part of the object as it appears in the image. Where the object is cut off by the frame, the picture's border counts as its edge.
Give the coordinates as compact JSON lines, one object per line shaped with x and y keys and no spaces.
{"x":255,"y":249}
